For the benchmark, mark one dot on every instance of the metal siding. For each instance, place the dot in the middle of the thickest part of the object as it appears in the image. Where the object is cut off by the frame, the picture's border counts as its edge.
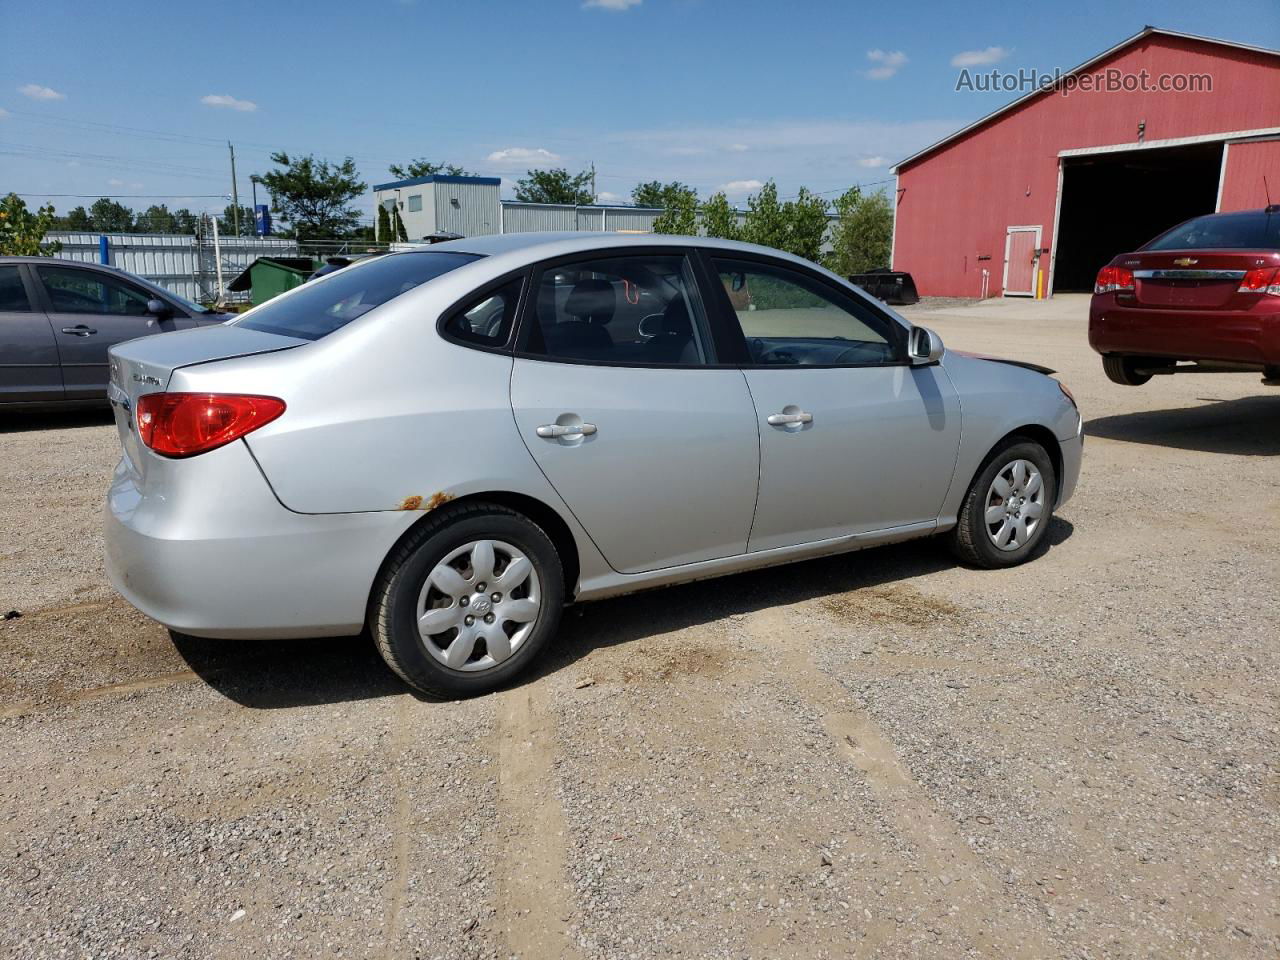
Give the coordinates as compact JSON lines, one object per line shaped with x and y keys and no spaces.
{"x":525,"y":218}
{"x":175,"y":261}
{"x":1247,"y":164}
{"x":477,"y":213}
{"x":956,"y":203}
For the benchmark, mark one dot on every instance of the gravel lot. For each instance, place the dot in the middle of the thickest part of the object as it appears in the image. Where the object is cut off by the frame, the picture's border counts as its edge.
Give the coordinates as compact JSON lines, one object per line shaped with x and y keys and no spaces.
{"x":881,"y":755}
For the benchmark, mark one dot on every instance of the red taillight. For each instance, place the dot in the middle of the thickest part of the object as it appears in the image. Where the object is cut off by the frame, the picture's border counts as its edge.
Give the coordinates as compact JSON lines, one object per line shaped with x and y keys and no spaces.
{"x":185,"y":424}
{"x":1261,"y":280}
{"x":1114,"y":280}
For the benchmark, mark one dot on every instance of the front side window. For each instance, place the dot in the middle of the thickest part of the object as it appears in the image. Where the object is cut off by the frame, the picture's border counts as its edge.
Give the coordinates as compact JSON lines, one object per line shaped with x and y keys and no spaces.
{"x":488,"y":319}
{"x":87,"y":291}
{"x":13,"y":296}
{"x":319,"y":307}
{"x":790,"y":318}
{"x":415,"y":202}
{"x":635,"y":310}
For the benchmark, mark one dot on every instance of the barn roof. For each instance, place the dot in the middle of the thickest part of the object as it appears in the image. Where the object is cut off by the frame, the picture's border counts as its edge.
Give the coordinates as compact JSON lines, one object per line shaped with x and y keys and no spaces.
{"x":1140,"y":35}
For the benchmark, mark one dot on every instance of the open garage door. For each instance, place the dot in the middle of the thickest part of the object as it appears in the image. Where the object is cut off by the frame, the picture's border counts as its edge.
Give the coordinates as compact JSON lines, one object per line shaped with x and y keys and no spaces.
{"x":1116,"y":202}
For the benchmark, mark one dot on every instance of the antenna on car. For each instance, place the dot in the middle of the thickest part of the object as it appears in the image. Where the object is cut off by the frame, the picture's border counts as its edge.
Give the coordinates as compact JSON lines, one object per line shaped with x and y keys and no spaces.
{"x":1271,"y":207}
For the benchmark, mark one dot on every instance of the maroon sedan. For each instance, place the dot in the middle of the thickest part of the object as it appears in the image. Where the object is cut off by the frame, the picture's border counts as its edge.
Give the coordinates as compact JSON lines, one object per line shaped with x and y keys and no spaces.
{"x":1204,"y":296}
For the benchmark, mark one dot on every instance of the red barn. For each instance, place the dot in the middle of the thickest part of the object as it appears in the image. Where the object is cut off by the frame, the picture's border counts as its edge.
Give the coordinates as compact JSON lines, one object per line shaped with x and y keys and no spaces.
{"x":1040,"y":194}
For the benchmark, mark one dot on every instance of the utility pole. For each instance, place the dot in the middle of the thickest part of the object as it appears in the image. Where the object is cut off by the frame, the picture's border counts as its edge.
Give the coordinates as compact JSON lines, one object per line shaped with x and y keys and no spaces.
{"x":235,"y":194}
{"x":593,"y":181}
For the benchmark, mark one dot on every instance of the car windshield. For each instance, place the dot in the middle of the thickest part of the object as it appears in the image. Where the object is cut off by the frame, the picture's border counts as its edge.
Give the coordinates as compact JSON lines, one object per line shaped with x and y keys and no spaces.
{"x":1249,"y":230}
{"x":317,"y":309}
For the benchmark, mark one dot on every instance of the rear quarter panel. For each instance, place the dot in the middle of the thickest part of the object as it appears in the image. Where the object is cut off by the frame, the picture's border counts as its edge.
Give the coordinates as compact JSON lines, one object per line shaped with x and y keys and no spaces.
{"x":997,"y":399}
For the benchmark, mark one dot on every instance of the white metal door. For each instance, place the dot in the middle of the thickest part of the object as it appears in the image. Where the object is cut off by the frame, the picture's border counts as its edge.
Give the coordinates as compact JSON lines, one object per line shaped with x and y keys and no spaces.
{"x":1021,"y":261}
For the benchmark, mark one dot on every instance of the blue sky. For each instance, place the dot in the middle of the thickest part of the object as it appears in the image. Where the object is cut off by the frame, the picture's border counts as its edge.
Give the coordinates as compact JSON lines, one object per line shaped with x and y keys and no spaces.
{"x":139,"y":98}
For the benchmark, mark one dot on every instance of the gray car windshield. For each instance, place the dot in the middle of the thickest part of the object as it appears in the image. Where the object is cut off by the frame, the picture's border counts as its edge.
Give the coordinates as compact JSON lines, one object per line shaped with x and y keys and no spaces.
{"x":323,"y":306}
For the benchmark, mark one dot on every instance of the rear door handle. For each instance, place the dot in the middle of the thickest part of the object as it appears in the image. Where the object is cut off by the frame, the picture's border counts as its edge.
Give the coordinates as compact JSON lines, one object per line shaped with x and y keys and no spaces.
{"x":553,"y":430}
{"x":782,"y":419}
{"x":79,"y":330}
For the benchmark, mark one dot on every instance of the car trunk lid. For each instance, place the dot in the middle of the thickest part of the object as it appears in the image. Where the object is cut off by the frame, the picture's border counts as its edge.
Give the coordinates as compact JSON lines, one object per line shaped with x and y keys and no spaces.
{"x":1187,"y":280}
{"x":145,"y":365}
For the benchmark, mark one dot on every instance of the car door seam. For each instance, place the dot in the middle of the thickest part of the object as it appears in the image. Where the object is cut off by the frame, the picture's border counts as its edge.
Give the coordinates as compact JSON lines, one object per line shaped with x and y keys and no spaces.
{"x":755,"y":507}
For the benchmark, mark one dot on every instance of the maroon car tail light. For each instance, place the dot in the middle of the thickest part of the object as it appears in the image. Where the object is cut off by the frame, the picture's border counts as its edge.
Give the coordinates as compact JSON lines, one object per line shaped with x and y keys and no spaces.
{"x":1265,"y":280}
{"x":187,"y":424}
{"x":1114,"y":280}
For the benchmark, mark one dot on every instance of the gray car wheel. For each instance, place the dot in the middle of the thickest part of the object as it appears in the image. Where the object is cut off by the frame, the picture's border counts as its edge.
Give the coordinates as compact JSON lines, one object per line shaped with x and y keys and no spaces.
{"x":468,"y":600}
{"x":1007,"y":508}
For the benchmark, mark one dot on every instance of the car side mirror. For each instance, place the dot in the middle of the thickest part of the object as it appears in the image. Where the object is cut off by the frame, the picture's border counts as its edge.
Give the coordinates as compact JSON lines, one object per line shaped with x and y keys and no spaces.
{"x":159,"y":309}
{"x":924,"y":346}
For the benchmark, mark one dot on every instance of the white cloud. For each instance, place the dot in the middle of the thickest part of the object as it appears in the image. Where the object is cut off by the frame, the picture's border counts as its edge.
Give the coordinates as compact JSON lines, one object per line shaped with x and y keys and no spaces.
{"x":229,"y":102}
{"x":737,"y":148}
{"x":522,"y":156}
{"x":612,"y":4}
{"x":606,"y":196}
{"x":887,"y":63}
{"x":115,"y":182}
{"x":980,"y":58}
{"x":37,"y":92}
{"x":682,"y":151}
{"x":875,"y":161}
{"x":4,"y":114}
{"x":736,"y":188}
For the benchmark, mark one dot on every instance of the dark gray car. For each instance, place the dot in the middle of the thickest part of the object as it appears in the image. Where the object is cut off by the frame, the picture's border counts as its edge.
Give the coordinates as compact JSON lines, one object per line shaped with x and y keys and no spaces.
{"x":58,"y":318}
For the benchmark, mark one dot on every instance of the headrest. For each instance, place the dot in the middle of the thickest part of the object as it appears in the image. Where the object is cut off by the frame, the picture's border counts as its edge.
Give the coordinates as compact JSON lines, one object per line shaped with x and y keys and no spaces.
{"x":675,"y":319}
{"x":592,"y":300}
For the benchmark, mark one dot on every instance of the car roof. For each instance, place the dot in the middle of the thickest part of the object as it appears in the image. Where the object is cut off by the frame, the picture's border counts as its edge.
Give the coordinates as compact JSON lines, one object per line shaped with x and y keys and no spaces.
{"x":61,"y":262}
{"x":544,"y":245}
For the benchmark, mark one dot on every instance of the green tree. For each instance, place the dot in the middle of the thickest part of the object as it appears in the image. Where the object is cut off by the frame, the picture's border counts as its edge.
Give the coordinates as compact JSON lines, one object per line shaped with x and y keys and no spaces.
{"x":398,"y":221}
{"x":185,"y":221}
{"x":555,"y":186}
{"x":661,"y":195}
{"x":77,"y":218}
{"x":314,"y":196}
{"x":863,"y":237}
{"x":157,"y":219}
{"x":679,"y":215}
{"x":421,"y":167}
{"x":796,"y":226}
{"x":110,"y":216}
{"x":22,"y":232}
{"x":384,"y":225}
{"x":227,"y":220}
{"x":719,"y":219}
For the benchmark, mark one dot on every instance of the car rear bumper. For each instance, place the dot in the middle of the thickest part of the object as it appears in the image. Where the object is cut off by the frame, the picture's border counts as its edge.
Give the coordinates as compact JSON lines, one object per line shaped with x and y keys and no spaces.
{"x":216,"y":555}
{"x":1229,"y":336}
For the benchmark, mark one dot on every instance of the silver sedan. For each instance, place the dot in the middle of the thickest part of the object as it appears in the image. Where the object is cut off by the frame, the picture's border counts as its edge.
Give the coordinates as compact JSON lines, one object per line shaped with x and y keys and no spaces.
{"x":446,"y":446}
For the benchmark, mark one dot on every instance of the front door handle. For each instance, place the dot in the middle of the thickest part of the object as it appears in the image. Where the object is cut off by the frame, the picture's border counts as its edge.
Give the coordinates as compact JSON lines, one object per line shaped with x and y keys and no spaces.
{"x":79,"y":330}
{"x":553,"y":430}
{"x":783,"y":419}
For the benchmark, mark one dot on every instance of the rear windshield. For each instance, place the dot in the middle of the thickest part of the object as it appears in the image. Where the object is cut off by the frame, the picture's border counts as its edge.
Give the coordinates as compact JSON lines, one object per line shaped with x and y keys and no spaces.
{"x":320,"y":307}
{"x":1250,"y":230}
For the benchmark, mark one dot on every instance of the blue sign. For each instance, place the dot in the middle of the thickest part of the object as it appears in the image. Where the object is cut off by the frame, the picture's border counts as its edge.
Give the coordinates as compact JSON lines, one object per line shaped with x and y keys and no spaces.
{"x":261,"y":220}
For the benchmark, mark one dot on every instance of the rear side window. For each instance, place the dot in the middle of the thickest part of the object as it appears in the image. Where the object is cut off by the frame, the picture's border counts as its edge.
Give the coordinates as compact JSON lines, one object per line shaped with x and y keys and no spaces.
{"x":320,"y":307}
{"x":1250,"y":230}
{"x":486,"y":320}
{"x":13,"y":297}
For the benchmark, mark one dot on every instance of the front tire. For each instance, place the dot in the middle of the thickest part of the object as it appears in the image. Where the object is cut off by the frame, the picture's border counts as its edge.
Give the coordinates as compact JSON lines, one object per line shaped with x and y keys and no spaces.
{"x":1121,"y":370}
{"x":467,"y":602}
{"x":1007,"y":508}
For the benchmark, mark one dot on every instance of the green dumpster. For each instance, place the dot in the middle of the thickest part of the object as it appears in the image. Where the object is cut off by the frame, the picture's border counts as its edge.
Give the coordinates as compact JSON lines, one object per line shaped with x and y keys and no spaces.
{"x":268,"y":277}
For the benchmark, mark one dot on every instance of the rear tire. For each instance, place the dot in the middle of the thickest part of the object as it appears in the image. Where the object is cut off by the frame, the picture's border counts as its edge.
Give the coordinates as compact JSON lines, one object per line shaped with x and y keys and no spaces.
{"x":1121,"y":370}
{"x":1008,"y":507}
{"x":467,"y":602}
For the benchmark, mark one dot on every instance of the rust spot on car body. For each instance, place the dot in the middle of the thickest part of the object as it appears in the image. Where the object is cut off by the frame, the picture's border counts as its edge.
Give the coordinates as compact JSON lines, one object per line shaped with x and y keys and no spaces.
{"x":437,"y":499}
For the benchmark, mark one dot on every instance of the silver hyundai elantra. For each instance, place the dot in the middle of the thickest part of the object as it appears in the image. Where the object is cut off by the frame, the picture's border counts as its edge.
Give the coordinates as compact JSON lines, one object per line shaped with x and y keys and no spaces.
{"x":446,"y":446}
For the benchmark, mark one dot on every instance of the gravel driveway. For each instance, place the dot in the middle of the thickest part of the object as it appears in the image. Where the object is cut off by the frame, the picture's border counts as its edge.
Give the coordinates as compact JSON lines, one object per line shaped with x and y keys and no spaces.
{"x":879,"y":755}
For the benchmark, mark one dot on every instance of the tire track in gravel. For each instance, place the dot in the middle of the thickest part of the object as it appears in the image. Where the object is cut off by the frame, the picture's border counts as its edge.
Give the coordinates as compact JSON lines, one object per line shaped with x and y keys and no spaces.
{"x":994,"y":924}
{"x":534,"y":897}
